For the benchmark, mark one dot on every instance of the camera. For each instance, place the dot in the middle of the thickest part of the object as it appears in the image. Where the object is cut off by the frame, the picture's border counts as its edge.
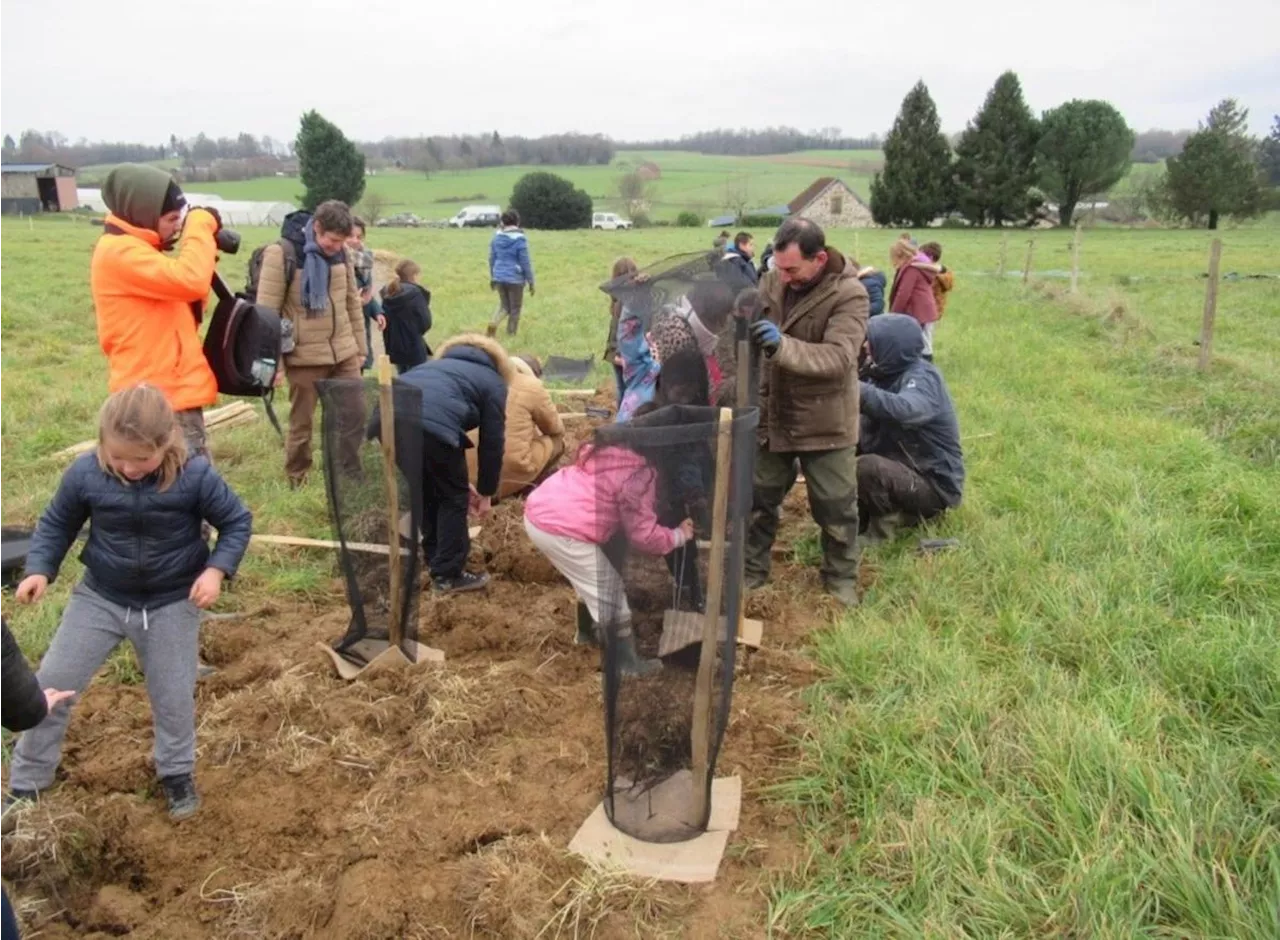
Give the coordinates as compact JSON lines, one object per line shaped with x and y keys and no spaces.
{"x":228,"y":241}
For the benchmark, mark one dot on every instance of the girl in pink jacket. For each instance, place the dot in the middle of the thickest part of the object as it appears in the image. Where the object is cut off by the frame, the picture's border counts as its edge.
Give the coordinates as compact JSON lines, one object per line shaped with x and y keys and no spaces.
{"x":576,"y":511}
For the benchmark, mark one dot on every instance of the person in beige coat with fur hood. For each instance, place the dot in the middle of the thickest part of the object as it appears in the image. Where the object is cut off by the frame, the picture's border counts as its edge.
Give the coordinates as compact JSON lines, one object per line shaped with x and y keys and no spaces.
{"x":322,"y":300}
{"x":534,"y":433}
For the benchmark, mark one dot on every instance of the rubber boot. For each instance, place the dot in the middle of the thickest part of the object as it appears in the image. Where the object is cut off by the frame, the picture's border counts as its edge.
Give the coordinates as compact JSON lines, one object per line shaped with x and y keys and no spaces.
{"x":629,"y":661}
{"x":588,"y":634}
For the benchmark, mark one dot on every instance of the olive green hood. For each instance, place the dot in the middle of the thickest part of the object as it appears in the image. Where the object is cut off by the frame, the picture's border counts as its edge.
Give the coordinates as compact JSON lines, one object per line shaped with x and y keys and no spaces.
{"x":138,"y":194}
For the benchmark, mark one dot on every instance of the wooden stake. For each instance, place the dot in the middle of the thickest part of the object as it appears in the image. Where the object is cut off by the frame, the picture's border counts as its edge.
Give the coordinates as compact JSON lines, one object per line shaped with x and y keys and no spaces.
{"x":386,"y":405}
{"x":700,"y":733}
{"x":1026,"y":271}
{"x":1004,"y":253}
{"x":742,"y":394}
{"x":1075,"y":260}
{"x":1210,"y":305}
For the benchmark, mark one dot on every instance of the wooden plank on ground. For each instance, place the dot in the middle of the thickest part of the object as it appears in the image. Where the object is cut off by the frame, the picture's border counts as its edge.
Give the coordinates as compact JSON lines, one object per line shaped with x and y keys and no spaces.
{"x":229,"y":416}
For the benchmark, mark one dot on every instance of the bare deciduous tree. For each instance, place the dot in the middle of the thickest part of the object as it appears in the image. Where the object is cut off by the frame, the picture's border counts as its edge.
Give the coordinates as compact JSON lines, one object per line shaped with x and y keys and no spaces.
{"x":634,"y":191}
{"x":737,"y":195}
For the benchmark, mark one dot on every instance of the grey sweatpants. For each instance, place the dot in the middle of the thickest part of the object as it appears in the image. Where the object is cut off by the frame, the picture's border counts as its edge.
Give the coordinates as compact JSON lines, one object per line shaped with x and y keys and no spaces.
{"x":167,"y":643}
{"x":510,"y":303}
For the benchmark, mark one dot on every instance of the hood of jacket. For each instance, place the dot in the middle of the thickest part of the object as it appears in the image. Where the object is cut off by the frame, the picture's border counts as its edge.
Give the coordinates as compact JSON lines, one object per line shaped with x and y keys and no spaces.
{"x":294,"y":229}
{"x":480,"y":349}
{"x":896,"y":341}
{"x":135,"y":193}
{"x":404,"y":296}
{"x":509,"y":236}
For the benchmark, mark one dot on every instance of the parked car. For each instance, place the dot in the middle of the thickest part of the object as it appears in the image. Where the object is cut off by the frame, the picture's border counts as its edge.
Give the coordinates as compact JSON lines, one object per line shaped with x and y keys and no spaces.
{"x":399,"y":220}
{"x":609,"y":222}
{"x":477,"y":217}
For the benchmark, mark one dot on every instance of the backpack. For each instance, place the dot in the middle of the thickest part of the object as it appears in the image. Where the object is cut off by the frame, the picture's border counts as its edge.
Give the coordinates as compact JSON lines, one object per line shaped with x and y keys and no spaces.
{"x":244,"y":346}
{"x":290,"y":252}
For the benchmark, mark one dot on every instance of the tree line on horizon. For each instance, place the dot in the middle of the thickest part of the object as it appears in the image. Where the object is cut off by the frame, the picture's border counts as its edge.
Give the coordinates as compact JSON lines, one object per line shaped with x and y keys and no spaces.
{"x":1008,"y":164}
{"x":429,"y":153}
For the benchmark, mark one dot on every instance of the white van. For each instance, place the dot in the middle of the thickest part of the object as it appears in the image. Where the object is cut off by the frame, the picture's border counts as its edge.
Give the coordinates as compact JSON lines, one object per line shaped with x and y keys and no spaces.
{"x":477,"y":217}
{"x":609,"y":222}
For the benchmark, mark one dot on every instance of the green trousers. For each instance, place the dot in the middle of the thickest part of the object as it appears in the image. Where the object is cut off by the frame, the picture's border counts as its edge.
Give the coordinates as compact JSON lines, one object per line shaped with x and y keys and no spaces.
{"x":832,"y":480}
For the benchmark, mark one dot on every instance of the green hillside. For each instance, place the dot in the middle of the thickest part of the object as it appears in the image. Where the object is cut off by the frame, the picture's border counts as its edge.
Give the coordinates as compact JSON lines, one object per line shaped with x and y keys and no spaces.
{"x":689,"y":181}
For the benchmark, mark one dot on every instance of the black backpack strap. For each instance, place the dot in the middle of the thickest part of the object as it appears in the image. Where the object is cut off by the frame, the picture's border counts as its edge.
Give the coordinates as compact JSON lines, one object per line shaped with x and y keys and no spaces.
{"x":267,"y":401}
{"x":289,"y":254}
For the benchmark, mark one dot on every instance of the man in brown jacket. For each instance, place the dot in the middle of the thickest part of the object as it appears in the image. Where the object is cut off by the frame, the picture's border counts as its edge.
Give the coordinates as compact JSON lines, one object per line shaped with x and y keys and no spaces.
{"x":534,"y":432}
{"x":812,"y":328}
{"x":323,"y":302}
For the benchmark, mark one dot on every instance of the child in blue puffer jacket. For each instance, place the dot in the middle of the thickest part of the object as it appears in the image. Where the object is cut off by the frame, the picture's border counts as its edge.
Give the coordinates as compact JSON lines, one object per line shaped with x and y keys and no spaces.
{"x":148,"y":572}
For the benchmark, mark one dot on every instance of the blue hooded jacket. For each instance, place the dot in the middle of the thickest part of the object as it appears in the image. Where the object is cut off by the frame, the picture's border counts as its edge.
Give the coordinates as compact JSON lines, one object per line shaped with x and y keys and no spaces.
{"x":465,"y":388}
{"x":907,"y":412}
{"x":509,"y":258}
{"x":874,"y":281}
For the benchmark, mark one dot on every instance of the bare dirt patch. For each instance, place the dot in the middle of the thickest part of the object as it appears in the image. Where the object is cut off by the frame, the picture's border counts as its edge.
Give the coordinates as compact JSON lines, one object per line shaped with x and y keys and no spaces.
{"x":430,"y":803}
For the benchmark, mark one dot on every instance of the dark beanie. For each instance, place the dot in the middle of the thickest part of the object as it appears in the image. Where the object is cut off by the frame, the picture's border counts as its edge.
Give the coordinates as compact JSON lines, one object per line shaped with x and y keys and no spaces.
{"x":139,"y":194}
{"x":173,"y":199}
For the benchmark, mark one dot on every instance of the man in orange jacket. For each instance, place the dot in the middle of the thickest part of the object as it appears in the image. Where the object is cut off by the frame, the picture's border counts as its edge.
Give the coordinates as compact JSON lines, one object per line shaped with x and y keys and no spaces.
{"x":146,"y":299}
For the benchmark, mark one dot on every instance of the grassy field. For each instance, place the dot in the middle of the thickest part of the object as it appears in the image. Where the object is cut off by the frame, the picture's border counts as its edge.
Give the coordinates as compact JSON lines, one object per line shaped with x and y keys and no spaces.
{"x":1065,"y":728}
{"x":689,"y":181}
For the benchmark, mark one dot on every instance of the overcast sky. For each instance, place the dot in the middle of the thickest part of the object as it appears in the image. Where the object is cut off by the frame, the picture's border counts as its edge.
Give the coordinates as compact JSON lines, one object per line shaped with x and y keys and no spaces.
{"x":139,"y":70}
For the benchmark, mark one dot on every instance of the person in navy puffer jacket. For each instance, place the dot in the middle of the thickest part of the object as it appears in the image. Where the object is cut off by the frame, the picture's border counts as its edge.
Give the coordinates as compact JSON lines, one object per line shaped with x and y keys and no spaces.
{"x":875,"y":282}
{"x":463,"y":388}
{"x":509,"y":271}
{"x":148,"y":572}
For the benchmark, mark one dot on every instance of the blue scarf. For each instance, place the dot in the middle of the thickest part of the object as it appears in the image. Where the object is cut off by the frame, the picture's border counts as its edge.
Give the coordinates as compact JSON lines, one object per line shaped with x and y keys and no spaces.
{"x":315,"y":273}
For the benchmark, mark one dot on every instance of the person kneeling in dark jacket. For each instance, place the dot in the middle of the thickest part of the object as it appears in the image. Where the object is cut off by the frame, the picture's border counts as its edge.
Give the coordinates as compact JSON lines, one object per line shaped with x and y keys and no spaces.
{"x":910,"y":466}
{"x":463,"y":388}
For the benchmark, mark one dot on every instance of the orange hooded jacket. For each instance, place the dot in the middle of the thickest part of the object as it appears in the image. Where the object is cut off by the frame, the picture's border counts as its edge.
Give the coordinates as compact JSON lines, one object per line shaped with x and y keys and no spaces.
{"x":143,"y":299}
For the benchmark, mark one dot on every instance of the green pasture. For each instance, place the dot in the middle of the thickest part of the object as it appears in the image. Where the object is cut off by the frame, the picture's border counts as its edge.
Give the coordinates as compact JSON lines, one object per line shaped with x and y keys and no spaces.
{"x":1068,"y":727}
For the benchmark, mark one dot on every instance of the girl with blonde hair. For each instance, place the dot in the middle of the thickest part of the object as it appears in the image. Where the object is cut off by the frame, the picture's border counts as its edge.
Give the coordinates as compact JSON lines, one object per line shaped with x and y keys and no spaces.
{"x":148,"y":573}
{"x":912,"y":290}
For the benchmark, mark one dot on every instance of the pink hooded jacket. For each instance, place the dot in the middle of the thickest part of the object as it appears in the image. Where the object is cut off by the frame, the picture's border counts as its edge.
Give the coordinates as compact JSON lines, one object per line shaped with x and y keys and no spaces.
{"x":601,"y":492}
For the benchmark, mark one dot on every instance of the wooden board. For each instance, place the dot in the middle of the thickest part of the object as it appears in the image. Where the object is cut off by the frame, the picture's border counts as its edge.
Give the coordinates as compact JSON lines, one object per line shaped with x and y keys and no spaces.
{"x":391,"y":658}
{"x":683,"y":628}
{"x":696,"y":861}
{"x":298,"y":541}
{"x":573,"y":392}
{"x":229,"y":416}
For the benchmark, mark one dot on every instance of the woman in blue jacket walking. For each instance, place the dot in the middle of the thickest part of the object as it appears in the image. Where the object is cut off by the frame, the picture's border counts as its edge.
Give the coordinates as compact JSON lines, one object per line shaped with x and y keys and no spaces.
{"x":509,"y":271}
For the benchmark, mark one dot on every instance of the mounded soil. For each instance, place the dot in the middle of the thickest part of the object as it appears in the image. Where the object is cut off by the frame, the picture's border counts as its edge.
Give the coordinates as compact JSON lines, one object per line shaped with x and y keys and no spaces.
{"x":426,"y":803}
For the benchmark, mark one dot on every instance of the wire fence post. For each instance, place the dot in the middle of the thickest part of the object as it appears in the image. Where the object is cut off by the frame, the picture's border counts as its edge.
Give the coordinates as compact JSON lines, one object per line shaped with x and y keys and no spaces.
{"x":1026,"y":270}
{"x":1004,"y":254}
{"x":1210,"y":305}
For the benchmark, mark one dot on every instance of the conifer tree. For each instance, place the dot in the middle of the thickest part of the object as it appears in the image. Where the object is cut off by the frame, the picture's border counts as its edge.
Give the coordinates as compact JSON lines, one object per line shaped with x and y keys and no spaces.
{"x":329,"y":165}
{"x":915,"y":185}
{"x":995,"y":159}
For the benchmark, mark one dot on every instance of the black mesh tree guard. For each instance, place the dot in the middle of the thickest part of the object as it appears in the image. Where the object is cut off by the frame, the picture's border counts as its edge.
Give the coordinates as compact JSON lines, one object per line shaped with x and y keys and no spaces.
{"x":670,"y":283}
{"x":669,"y":623}
{"x":356,"y":484}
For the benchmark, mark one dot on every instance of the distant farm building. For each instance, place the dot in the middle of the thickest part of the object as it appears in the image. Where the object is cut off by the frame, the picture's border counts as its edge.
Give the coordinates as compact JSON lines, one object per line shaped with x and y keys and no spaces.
{"x":28,"y":188}
{"x":832,"y":204}
{"x":828,"y":201}
{"x":232,"y":211}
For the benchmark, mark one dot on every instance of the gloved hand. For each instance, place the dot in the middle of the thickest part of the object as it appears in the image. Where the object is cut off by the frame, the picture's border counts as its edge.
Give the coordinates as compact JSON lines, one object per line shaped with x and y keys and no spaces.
{"x":766,"y":335}
{"x":217,"y":218}
{"x":532,"y":290}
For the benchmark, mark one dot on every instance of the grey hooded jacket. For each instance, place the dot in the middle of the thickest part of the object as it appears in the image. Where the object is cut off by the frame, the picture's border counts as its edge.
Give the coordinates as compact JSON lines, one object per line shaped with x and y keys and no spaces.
{"x":907,"y":412}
